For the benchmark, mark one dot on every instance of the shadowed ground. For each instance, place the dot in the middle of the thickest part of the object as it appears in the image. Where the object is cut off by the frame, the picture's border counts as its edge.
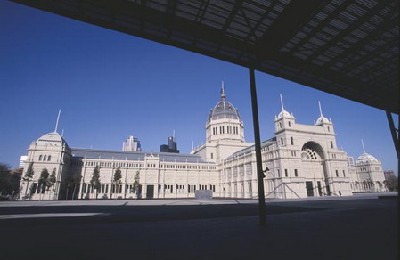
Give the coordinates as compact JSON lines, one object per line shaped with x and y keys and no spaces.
{"x":358,"y":227}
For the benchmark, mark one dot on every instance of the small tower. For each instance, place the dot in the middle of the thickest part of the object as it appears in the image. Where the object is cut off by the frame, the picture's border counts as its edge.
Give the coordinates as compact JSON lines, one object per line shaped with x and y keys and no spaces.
{"x":224,"y":122}
{"x":284,"y":119}
{"x":323,"y":121}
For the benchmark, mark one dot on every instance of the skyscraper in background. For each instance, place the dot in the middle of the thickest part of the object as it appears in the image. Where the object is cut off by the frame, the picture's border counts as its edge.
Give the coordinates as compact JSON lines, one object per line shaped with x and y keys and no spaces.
{"x":131,"y":144}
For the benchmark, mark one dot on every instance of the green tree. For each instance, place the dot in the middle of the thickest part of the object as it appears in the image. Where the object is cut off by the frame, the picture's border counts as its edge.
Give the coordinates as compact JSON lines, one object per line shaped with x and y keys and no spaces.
{"x":28,"y":177}
{"x":117,"y":180}
{"x":42,"y":181}
{"x":5,"y":179}
{"x":136,"y":185}
{"x":51,"y":180}
{"x":15,"y":182}
{"x":391,"y":182}
{"x":95,"y":181}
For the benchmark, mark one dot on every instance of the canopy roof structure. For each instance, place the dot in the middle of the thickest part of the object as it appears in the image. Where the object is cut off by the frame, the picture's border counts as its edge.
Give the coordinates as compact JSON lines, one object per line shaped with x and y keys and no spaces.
{"x":342,"y":47}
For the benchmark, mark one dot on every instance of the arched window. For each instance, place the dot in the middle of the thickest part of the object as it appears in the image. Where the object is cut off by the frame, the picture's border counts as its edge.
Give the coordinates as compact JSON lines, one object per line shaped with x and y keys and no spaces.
{"x":40,"y":157}
{"x":44,"y":158}
{"x":331,"y":144}
{"x":49,"y":158}
{"x":290,"y":124}
{"x":291,"y":140}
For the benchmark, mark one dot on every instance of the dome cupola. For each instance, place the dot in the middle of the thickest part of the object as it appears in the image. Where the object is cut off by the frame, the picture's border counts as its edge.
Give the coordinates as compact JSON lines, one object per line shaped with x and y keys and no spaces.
{"x":366,"y":158}
{"x":223,"y":109}
{"x":224,"y":122}
{"x":321,"y":119}
{"x":283,"y":113}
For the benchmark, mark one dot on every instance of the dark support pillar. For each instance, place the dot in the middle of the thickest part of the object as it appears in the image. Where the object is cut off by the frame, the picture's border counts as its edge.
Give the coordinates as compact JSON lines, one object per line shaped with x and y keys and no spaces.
{"x":395,"y":136}
{"x":394,"y":132}
{"x":260,"y":173}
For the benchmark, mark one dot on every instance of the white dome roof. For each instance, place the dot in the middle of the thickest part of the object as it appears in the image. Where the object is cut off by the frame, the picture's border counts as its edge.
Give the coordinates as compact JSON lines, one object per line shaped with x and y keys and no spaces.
{"x":224,"y":109}
{"x":53,"y":137}
{"x":284,"y":114}
{"x":322,"y":120}
{"x":366,"y":157}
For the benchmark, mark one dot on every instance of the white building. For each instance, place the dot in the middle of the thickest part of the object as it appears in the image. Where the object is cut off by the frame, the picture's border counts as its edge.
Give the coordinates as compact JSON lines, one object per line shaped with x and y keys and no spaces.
{"x":131,"y":144}
{"x":300,"y":161}
{"x":368,"y":175}
{"x":22,"y":161}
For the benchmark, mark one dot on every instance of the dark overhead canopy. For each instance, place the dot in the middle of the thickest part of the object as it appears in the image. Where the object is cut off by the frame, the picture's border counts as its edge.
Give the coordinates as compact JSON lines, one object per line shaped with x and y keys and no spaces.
{"x":347,"y":48}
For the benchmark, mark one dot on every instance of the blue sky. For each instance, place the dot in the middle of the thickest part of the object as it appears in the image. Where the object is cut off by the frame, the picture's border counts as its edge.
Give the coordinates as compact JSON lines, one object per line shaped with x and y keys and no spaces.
{"x":110,"y":85}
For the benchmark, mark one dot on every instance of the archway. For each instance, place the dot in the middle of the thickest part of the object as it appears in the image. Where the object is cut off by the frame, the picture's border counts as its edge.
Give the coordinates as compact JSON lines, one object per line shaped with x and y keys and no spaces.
{"x":314,"y":168}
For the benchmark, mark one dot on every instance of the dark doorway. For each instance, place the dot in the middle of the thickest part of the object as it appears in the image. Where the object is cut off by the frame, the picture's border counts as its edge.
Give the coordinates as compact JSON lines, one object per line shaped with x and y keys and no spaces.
{"x":150,"y":191}
{"x":328,"y":190}
{"x":319,"y":188}
{"x":310,"y":189}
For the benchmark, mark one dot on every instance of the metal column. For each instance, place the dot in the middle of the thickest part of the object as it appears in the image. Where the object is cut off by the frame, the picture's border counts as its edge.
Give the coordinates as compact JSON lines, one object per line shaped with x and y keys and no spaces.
{"x":260,"y":173}
{"x":394,"y":132}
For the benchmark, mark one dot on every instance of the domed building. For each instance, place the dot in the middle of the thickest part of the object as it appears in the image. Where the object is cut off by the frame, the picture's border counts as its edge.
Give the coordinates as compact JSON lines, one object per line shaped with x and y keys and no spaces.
{"x":224,"y":132}
{"x":368,"y":175}
{"x":48,"y":164}
{"x":299,"y":160}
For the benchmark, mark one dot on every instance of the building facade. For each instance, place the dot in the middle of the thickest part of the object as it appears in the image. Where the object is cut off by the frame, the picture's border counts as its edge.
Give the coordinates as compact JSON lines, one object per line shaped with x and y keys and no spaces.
{"x":299,"y":160}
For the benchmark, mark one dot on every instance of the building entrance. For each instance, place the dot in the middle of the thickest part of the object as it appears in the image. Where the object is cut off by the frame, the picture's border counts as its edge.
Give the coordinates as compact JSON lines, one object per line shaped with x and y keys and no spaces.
{"x":149,"y":191}
{"x":310,"y":189}
{"x":319,"y":188}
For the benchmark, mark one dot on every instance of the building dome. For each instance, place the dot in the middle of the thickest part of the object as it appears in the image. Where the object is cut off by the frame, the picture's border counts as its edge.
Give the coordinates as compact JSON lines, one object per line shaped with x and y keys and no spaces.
{"x":53,"y":138}
{"x":223,"y":109}
{"x":322,"y":120}
{"x":365,"y":158}
{"x":284,"y":114}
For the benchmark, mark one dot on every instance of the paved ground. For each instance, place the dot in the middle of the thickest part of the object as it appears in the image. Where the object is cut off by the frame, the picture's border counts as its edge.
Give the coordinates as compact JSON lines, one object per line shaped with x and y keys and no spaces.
{"x":357,"y":227}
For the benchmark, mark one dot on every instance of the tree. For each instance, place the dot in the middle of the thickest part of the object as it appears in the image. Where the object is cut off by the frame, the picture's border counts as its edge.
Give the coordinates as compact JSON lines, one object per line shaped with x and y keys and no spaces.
{"x":42,"y":181}
{"x":5,"y":179}
{"x":15,"y":182}
{"x":95,"y":181}
{"x":136,"y":185}
{"x":51,"y":180}
{"x":117,"y":179}
{"x":28,"y":177}
{"x":391,"y":182}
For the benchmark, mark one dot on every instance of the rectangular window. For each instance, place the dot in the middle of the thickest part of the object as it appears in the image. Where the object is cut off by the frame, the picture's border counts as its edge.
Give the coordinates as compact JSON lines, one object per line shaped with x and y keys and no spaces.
{"x":296,"y":173}
{"x":337,"y":173}
{"x":286,"y":172}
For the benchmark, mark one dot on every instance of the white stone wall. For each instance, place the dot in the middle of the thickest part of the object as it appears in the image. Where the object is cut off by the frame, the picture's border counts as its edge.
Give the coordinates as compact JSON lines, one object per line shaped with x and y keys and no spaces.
{"x":166,"y":179}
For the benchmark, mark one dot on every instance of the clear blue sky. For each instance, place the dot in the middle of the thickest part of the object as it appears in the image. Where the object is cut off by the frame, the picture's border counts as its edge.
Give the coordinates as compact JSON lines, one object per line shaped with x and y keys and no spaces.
{"x":110,"y":85}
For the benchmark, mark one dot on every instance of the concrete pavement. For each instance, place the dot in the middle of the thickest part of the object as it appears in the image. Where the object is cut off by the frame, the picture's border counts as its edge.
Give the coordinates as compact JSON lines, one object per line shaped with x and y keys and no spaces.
{"x":357,"y":227}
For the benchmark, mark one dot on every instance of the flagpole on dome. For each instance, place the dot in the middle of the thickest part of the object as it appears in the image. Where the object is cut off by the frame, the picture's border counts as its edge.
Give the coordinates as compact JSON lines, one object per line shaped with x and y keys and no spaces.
{"x":58,"y":118}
